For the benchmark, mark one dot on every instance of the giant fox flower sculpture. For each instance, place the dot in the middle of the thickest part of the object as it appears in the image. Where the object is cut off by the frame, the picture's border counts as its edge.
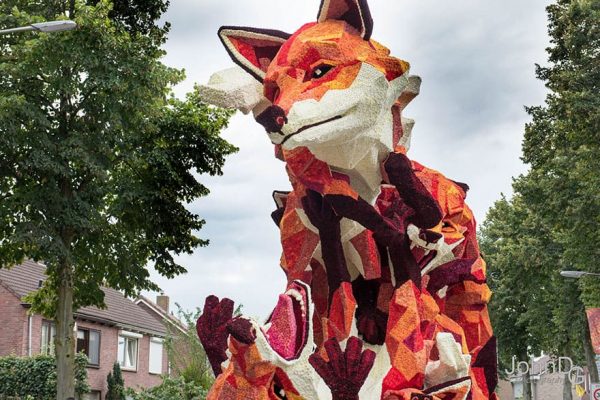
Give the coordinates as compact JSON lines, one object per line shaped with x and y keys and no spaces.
{"x":387,"y":295}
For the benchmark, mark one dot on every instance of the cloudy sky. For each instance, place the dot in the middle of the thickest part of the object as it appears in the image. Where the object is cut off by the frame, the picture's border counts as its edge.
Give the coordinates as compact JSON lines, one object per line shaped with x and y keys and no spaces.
{"x":476,"y":59}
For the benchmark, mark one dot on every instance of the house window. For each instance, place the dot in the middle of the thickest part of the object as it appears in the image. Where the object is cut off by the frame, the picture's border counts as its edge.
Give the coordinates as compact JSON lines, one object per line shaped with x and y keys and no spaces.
{"x":88,"y":342}
{"x":48,"y":334}
{"x":156,"y":356}
{"x":128,"y":350}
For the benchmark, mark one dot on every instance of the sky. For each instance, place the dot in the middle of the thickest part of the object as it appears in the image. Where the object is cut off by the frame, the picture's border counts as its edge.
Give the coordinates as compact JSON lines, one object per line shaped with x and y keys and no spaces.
{"x":477,"y":61}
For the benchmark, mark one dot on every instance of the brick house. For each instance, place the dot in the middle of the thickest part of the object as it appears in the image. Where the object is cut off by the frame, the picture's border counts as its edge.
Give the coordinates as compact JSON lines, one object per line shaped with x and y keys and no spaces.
{"x":125,"y":331}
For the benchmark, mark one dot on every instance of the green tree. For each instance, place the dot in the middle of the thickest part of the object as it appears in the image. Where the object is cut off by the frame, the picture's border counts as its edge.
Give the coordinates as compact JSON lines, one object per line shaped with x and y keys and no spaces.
{"x":533,"y":307}
{"x":562,"y":144}
{"x":115,"y":384}
{"x":96,"y":159}
{"x":551,"y":224}
{"x":139,"y":16}
{"x":508,"y":312}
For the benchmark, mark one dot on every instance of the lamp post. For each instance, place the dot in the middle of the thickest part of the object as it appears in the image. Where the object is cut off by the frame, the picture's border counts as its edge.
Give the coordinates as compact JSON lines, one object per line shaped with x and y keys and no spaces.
{"x":577,"y":274}
{"x":588,"y":348}
{"x":46,"y":27}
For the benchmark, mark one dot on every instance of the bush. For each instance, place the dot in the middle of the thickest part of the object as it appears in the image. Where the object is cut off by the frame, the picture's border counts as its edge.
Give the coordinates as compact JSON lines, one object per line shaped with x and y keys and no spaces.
{"x":35,"y":377}
{"x":116,"y":384}
{"x":185,"y":352}
{"x":169,"y":389}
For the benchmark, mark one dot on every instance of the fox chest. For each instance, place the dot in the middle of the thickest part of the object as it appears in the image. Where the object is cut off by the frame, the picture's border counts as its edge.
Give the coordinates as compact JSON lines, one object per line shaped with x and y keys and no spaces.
{"x":302,"y":249}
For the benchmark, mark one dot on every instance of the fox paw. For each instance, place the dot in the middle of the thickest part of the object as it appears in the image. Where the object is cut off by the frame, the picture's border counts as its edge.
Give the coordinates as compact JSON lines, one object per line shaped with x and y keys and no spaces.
{"x":399,"y":172}
{"x":212,"y":330}
{"x":241,"y":329}
{"x":346,"y":371}
{"x":320,"y":212}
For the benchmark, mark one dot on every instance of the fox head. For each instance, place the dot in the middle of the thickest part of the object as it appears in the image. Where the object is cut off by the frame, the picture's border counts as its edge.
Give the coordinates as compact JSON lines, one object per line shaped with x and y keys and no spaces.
{"x":328,"y":87}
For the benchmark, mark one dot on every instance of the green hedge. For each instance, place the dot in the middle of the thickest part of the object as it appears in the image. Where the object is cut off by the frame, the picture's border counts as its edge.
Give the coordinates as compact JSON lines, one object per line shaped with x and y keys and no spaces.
{"x":35,"y":377}
{"x":170,"y":389}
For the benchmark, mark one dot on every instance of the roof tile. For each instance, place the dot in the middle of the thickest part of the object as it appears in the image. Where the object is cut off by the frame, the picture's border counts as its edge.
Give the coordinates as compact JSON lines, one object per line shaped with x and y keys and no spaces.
{"x":120,"y":311}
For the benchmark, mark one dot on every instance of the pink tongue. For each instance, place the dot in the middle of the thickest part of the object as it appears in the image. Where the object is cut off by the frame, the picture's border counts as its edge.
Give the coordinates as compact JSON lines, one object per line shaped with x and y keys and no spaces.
{"x":283,"y":331}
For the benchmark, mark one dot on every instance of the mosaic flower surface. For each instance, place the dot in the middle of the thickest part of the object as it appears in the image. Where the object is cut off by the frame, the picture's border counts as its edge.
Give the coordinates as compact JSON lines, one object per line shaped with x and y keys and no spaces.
{"x":387,"y":295}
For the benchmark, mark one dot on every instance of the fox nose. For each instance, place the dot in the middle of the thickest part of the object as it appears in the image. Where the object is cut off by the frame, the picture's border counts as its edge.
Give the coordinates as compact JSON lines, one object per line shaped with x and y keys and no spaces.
{"x":273,"y":119}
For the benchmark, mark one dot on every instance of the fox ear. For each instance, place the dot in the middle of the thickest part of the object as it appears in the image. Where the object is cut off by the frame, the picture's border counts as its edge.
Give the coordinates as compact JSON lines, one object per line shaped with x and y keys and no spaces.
{"x":252,"y":49}
{"x":354,"y":12}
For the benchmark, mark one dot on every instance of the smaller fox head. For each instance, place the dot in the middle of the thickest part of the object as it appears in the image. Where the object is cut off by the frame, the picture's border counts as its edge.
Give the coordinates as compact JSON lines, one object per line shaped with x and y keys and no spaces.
{"x":275,"y":364}
{"x":328,"y":86}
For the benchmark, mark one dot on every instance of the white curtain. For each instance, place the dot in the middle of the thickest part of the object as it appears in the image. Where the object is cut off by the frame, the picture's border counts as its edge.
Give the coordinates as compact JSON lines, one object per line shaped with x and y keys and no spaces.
{"x":131,"y":352}
{"x":127,"y":353}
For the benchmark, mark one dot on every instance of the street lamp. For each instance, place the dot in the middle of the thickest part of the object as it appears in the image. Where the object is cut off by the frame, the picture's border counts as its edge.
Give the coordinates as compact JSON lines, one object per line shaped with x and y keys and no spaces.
{"x":577,"y":274}
{"x":588,"y":346}
{"x":47,"y":27}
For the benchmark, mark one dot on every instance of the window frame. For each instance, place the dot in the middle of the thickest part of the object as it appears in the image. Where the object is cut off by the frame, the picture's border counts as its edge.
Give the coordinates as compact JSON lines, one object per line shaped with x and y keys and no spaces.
{"x":133,"y":337}
{"x":47,"y":349}
{"x":86,"y":351}
{"x":160,"y":341}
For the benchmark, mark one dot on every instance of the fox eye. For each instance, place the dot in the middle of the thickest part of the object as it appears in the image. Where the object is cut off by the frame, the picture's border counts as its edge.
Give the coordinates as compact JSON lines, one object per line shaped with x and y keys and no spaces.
{"x":321,"y":71}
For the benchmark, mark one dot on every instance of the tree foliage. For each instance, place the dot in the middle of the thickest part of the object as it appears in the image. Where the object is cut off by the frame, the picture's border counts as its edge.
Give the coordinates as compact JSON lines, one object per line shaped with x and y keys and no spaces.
{"x":534,"y":308}
{"x":562,"y":143}
{"x":551,"y":223}
{"x":138,"y":16}
{"x":97,"y":159}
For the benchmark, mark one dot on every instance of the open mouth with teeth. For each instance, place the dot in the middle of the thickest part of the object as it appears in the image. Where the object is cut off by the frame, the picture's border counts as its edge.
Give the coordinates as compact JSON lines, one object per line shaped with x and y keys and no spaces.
{"x":287,"y":328}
